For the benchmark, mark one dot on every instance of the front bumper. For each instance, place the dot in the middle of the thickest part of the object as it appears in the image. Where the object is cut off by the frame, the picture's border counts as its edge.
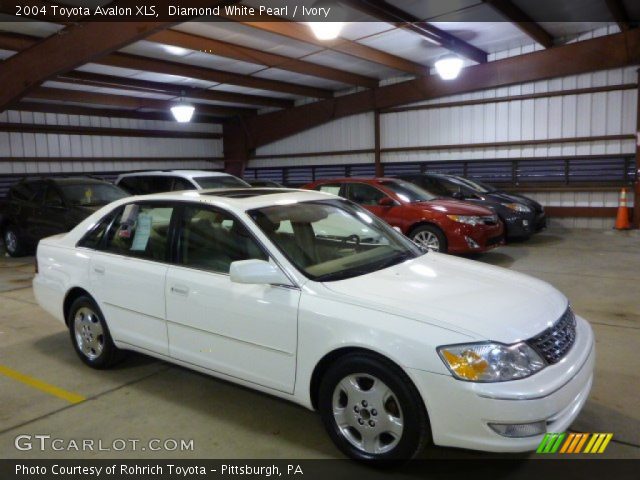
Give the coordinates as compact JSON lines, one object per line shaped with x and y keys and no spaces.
{"x":461,"y":411}
{"x":519,"y":226}
{"x":541,"y":221}
{"x":462,"y":238}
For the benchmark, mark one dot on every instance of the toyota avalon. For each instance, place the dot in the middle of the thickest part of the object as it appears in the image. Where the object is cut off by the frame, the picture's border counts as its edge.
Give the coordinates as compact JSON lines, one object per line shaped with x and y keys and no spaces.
{"x":309,"y":297}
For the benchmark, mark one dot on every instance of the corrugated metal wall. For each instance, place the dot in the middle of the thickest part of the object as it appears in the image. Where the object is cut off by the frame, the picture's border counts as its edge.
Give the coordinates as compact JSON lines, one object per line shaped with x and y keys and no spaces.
{"x":559,"y":117}
{"x":350,"y":133}
{"x":97,"y":150}
{"x":562,"y":117}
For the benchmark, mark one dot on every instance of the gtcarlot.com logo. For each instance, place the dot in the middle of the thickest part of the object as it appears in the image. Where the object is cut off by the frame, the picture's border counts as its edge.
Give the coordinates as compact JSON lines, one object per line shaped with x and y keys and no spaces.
{"x":574,"y":443}
{"x":45,"y":443}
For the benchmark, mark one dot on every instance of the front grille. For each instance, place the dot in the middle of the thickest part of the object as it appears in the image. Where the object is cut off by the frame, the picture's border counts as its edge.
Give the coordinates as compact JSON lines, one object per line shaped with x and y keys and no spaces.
{"x":555,"y":342}
{"x":490,"y":219}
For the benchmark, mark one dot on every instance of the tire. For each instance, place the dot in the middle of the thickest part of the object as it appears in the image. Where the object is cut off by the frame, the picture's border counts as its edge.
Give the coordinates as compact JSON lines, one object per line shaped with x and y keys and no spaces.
{"x":372,"y":411}
{"x":90,"y":335}
{"x":12,"y":243}
{"x":430,"y":237}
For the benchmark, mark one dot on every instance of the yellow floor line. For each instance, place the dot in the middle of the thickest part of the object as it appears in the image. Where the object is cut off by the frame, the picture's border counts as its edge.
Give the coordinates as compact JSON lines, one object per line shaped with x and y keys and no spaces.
{"x":42,"y":386}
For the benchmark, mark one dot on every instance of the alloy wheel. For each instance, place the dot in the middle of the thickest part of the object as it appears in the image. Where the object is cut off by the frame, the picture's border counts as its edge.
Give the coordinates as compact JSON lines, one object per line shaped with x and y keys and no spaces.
{"x":10,"y":241}
{"x":428,"y":240}
{"x":367,"y":413}
{"x":89,"y":333}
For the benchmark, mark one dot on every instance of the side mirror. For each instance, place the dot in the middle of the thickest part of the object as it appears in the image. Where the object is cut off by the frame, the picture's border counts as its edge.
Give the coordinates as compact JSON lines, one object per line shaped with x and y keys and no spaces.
{"x":257,"y":272}
{"x":386,"y":202}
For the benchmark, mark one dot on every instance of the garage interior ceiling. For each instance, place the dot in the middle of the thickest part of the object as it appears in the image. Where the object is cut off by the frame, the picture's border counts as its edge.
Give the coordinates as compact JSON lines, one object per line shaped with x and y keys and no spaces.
{"x":238,"y":68}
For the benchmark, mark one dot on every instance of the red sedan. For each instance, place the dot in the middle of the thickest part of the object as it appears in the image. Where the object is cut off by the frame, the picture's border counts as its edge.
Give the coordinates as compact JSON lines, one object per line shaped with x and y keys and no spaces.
{"x":438,"y":224}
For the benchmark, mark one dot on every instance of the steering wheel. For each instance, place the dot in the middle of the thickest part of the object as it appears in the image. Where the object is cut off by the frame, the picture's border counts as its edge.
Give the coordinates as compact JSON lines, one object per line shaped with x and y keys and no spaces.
{"x":354,"y":237}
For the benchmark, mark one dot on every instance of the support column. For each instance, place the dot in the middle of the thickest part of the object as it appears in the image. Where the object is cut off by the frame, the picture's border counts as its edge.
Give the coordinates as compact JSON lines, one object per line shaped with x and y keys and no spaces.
{"x":377,"y":156}
{"x":635,"y":221}
{"x":236,"y":149}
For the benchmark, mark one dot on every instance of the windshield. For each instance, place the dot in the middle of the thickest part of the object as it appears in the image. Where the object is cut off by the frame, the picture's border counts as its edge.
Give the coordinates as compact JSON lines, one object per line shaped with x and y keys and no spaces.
{"x":92,"y":194}
{"x":473,"y":184}
{"x":333,"y":240}
{"x":221,"y":181}
{"x":408,"y":192}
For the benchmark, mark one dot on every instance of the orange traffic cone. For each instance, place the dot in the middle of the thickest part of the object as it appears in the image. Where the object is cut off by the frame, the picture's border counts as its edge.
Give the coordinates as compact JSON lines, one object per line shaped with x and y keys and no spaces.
{"x":622,"y":219}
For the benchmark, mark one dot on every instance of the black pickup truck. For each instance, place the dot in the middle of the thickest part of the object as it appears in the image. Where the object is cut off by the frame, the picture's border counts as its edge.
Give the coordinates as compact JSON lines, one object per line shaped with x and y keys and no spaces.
{"x":42,"y":207}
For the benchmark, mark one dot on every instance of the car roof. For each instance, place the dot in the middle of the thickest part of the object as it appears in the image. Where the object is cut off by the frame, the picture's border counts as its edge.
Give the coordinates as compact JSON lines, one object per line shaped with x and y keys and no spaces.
{"x":176,"y":173}
{"x":239,"y":198}
{"x":68,"y":180}
{"x":357,"y":179}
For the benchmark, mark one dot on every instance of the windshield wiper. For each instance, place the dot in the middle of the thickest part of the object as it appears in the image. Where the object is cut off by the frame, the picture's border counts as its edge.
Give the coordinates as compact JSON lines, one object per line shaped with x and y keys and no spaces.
{"x":396,"y":259}
{"x":352,"y":272}
{"x":342,"y":274}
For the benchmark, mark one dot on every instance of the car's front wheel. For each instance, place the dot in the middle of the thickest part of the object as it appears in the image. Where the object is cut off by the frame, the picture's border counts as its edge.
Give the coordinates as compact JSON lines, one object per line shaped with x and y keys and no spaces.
{"x":372,"y":410}
{"x":429,"y":237}
{"x":13,"y":244}
{"x":90,"y":335}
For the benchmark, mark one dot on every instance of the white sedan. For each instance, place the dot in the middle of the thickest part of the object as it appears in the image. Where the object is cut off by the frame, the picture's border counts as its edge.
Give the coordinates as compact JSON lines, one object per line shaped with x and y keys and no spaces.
{"x":308,"y":297}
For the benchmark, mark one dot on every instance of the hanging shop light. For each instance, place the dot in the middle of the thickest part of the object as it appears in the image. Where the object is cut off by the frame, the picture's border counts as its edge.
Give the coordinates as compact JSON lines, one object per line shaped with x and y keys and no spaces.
{"x":448,"y":67}
{"x":326,"y":30}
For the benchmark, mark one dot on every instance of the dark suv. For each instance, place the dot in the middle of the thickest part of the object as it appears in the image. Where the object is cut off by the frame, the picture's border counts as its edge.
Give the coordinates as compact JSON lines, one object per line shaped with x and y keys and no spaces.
{"x":39,"y":208}
{"x":521,"y":216}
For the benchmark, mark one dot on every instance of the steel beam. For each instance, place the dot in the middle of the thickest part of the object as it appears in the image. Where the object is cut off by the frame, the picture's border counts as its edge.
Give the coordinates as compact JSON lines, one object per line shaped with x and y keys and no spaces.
{"x":74,"y":46}
{"x":125,"y":101}
{"x":260,"y":57}
{"x":386,"y":12}
{"x":602,"y":53}
{"x":524,"y":22}
{"x":111,"y":81}
{"x":301,"y":32}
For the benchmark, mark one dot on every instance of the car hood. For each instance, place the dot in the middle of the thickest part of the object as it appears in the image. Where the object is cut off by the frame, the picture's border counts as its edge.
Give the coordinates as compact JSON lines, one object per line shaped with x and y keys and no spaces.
{"x":469,"y":297}
{"x":453,"y":207}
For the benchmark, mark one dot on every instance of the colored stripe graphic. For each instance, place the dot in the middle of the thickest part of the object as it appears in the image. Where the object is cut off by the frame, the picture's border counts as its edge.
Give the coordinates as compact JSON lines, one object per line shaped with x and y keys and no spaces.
{"x":574,"y":443}
{"x":581,"y":443}
{"x":550,"y":443}
{"x":571,"y":440}
{"x":598,"y":443}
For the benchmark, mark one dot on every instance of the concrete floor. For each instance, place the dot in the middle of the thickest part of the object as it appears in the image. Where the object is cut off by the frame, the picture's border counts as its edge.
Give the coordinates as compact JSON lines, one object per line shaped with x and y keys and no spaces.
{"x":144,"y":399}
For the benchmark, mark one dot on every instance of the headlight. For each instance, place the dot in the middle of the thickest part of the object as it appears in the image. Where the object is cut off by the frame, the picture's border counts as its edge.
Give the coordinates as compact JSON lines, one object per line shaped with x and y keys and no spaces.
{"x":491,"y":362}
{"x":517,"y":207}
{"x":469,"y":220}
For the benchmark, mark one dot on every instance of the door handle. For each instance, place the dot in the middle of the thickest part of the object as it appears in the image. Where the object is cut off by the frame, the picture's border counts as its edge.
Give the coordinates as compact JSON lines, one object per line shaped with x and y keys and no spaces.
{"x":180,"y":290}
{"x":99,"y":269}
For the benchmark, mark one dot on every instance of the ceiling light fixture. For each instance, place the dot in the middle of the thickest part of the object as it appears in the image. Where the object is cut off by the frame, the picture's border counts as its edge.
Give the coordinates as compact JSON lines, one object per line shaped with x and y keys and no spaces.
{"x":183,"y":112}
{"x":326,"y":30}
{"x":449,"y":66}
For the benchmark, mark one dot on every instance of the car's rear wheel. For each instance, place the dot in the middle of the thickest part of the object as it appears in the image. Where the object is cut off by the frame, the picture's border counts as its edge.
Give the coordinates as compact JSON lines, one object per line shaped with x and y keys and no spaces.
{"x":12,"y":242}
{"x":371,"y":409}
{"x":429,"y":237}
{"x":90,"y":335}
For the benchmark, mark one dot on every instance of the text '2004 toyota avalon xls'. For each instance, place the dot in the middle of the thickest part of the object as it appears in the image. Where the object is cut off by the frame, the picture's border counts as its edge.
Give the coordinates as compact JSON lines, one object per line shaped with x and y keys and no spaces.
{"x":309,"y":297}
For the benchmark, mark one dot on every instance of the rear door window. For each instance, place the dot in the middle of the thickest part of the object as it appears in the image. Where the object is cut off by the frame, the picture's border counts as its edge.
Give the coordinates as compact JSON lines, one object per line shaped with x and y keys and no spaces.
{"x":333,"y":188}
{"x":22,"y":191}
{"x":182,"y":184}
{"x":364,"y":194}
{"x":141,"y":230}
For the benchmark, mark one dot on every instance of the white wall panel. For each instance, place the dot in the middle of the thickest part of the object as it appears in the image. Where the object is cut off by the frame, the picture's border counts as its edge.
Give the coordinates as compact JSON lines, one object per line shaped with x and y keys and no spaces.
{"x":17,"y":145}
{"x":350,"y":133}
